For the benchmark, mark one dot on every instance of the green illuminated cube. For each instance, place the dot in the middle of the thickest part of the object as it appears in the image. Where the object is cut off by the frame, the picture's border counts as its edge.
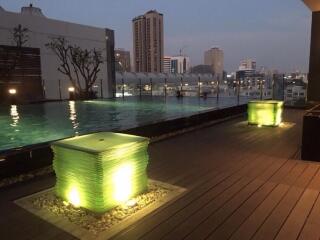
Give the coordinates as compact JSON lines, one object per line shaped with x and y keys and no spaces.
{"x":265,"y":113}
{"x":100,"y":171}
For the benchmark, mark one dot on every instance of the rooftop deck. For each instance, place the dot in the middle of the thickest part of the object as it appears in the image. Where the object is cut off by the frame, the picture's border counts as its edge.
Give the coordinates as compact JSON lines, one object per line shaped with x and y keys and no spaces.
{"x":243,"y":182}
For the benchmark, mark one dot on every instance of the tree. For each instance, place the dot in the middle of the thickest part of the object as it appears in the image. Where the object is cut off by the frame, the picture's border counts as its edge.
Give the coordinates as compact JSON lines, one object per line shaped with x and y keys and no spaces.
{"x":87,"y":63}
{"x":9,"y":58}
{"x":59,"y":46}
{"x":77,"y":64}
{"x":20,"y":35}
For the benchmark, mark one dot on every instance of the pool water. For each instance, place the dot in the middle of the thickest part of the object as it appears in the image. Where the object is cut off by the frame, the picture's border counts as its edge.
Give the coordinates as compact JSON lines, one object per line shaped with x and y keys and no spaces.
{"x":22,"y":125}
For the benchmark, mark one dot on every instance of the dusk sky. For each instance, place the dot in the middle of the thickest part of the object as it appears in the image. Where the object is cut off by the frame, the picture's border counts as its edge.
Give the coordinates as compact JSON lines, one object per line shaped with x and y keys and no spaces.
{"x":276,"y":33}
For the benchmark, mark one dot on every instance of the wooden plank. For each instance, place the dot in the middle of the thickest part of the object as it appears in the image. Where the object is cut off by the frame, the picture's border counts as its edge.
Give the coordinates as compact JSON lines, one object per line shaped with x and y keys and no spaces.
{"x":311,"y":229}
{"x":274,"y":222}
{"x":216,"y":220}
{"x":181,"y":146}
{"x":227,"y":188}
{"x":214,"y":158}
{"x":252,"y":224}
{"x":298,"y":216}
{"x":248,"y":229}
{"x":164,"y":214}
{"x":315,"y":183}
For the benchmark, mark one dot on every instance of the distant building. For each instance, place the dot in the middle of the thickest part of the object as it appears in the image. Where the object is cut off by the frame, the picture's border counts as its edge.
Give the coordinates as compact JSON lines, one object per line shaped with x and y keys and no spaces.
{"x":248,"y":64}
{"x":247,"y":69}
{"x":202,"y":69}
{"x":122,"y":58}
{"x":180,"y":64}
{"x":295,"y":92}
{"x":148,"y":42}
{"x":214,"y":57}
{"x":279,"y":86}
{"x":167,"y":64}
{"x":55,"y":85}
{"x":242,"y":74}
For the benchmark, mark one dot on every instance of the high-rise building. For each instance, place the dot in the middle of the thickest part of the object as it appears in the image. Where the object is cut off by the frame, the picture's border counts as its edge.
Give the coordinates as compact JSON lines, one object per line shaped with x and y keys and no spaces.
{"x":215,"y":58}
{"x":180,"y":64}
{"x":248,"y":64}
{"x":167,"y":64}
{"x":148,"y":42}
{"x":122,"y":58}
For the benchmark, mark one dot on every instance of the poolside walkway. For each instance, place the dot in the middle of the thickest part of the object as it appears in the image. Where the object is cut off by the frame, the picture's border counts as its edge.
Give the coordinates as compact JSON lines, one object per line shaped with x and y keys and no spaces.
{"x":243,"y":183}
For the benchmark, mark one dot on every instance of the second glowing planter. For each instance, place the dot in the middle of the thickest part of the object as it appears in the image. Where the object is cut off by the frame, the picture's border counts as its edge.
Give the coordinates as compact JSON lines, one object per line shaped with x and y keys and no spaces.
{"x":100,"y":171}
{"x":265,"y":113}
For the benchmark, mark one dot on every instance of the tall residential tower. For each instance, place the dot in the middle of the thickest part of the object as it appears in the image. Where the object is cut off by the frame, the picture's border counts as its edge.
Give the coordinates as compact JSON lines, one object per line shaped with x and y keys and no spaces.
{"x":214,"y":57}
{"x":148,"y":43}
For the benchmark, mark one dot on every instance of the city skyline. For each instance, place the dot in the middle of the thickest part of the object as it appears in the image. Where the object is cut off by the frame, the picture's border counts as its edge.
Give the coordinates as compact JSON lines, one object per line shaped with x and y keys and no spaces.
{"x":276,"y":34}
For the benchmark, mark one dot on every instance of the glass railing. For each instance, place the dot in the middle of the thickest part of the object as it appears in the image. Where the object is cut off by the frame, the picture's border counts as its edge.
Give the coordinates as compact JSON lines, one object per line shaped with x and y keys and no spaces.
{"x":292,"y":91}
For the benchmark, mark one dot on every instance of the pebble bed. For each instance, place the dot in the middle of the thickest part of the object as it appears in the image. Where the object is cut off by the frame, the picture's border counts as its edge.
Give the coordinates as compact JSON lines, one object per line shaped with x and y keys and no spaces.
{"x":98,"y":223}
{"x":25,"y":177}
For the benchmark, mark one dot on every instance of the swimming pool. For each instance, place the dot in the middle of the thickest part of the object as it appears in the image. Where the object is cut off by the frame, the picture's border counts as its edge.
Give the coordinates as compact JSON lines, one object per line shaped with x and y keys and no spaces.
{"x":38,"y":123}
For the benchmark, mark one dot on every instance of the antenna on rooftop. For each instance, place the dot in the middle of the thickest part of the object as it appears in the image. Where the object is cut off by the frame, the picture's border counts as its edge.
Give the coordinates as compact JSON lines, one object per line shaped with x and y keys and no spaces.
{"x":181,"y":50}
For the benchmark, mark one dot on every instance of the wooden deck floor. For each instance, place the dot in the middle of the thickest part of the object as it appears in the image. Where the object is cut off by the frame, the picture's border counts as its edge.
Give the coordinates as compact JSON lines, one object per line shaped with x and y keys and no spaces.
{"x":243,"y":183}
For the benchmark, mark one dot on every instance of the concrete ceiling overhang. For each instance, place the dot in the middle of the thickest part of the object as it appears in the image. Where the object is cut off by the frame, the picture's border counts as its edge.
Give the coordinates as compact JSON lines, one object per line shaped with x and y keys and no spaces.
{"x":314,"y":5}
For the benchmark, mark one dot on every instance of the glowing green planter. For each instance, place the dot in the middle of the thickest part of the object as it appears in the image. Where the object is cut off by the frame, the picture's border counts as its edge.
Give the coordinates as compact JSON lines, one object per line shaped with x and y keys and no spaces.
{"x":265,"y":113}
{"x":100,"y":171}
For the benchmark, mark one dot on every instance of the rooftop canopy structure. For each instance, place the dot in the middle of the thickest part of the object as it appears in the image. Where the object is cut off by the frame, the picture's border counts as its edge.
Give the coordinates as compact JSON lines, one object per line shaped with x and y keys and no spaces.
{"x":314,"y":5}
{"x":132,"y":77}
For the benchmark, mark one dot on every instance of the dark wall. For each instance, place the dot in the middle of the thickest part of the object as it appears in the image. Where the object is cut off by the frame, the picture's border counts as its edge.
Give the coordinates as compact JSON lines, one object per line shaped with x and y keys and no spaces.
{"x":314,"y":68}
{"x":311,"y":135}
{"x":20,"y":69}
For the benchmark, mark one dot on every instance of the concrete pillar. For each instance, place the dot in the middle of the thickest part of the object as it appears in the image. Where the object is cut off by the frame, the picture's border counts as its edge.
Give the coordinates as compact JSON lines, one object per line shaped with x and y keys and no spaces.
{"x":314,"y":67}
{"x":110,"y":58}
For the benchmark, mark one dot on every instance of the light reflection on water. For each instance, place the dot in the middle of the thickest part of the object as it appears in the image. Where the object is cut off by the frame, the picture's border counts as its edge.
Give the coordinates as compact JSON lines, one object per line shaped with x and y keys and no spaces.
{"x":73,"y":116}
{"x":14,"y":115}
{"x":36,"y":123}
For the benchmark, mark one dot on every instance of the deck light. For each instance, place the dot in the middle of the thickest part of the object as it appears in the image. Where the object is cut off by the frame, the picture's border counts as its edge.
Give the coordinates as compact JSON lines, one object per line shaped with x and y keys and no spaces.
{"x":131,"y":203}
{"x":12,"y":91}
{"x":71,"y":89}
{"x":73,"y":197}
{"x":122,"y":183}
{"x":100,"y":171}
{"x":265,"y":113}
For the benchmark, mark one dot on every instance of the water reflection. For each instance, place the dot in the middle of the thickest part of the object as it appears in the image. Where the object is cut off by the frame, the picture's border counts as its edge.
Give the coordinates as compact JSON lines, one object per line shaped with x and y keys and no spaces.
{"x":73,"y":116}
{"x":14,"y":115}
